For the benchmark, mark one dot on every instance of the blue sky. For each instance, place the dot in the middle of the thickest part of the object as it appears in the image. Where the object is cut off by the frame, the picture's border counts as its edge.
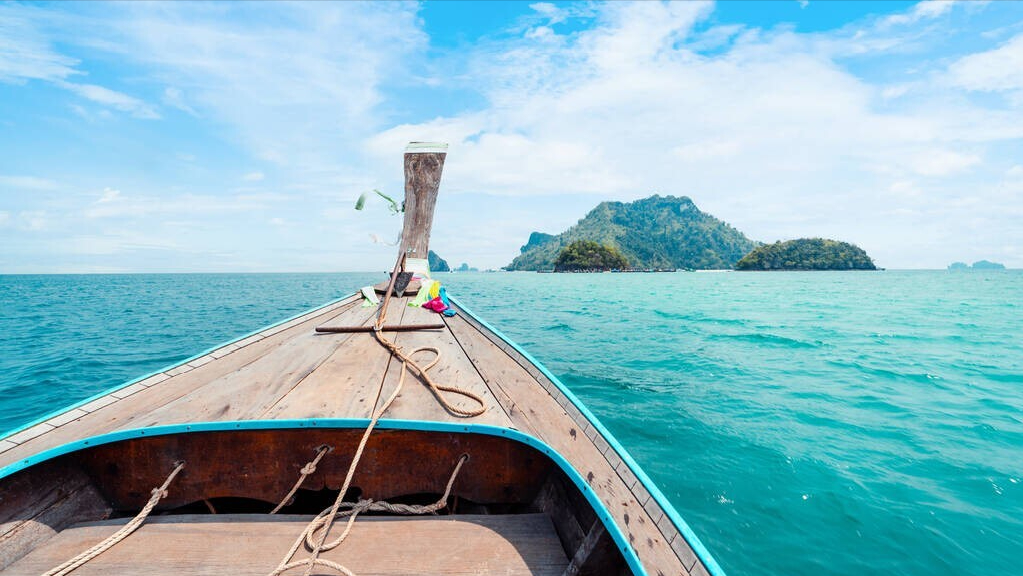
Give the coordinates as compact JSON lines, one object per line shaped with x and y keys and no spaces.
{"x":235,"y":137}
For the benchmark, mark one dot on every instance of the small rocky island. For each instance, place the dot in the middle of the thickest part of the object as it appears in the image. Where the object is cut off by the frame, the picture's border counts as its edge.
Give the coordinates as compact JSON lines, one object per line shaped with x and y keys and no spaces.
{"x":590,"y":256}
{"x":807,"y":254}
{"x":437,"y":264}
{"x":979,"y":265}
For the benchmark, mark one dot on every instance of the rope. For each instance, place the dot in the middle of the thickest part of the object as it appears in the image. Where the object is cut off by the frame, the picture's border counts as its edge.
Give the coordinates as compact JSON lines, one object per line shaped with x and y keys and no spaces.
{"x":333,"y":511}
{"x":308,"y":469}
{"x":421,"y":371}
{"x":324,"y":521}
{"x":353,"y":509}
{"x":110,"y":541}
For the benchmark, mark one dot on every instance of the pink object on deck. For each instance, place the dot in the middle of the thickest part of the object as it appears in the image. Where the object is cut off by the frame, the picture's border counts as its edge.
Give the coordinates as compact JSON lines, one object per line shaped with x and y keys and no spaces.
{"x":437,"y":305}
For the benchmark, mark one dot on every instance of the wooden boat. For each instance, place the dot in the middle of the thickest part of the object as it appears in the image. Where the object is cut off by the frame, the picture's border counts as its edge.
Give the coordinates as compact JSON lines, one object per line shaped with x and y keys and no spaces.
{"x":480,"y":462}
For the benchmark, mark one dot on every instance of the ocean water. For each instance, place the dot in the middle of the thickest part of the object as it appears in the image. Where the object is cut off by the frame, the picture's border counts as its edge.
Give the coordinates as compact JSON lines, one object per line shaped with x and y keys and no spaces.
{"x":802,"y":423}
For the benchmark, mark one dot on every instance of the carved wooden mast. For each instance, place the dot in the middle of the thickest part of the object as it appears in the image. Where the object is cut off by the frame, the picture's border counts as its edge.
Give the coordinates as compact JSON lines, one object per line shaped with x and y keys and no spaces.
{"x":424,"y":162}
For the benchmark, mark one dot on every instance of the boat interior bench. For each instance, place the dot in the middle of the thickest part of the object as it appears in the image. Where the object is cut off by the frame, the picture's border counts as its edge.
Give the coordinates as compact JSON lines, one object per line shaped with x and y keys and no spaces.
{"x":240,"y":544}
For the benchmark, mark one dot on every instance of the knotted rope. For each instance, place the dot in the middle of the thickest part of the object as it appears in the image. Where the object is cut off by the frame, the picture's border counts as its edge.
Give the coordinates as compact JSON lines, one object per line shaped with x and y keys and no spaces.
{"x":110,"y":541}
{"x":304,"y":473}
{"x":352,"y":511}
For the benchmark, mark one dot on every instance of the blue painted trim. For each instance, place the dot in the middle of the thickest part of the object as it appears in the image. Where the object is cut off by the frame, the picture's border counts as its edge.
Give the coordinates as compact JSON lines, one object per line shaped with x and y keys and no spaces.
{"x":354,"y":423}
{"x":164,"y":369}
{"x":694,"y":541}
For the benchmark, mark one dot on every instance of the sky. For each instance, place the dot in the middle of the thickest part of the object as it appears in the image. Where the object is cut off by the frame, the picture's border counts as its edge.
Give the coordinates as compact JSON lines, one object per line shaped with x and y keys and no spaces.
{"x":236,"y":137}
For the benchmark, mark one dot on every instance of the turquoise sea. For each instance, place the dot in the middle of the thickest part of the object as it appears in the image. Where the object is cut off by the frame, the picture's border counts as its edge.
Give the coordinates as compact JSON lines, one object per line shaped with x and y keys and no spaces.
{"x":802,"y":423}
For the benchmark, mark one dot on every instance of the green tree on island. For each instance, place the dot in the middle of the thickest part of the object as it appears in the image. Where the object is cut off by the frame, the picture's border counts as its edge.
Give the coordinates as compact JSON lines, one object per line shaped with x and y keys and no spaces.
{"x":807,"y":254}
{"x":589,"y":255}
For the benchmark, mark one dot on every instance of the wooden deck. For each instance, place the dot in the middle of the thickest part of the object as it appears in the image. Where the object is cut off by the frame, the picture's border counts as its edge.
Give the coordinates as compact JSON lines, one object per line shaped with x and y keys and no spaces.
{"x":248,"y":544}
{"x":289,"y":371}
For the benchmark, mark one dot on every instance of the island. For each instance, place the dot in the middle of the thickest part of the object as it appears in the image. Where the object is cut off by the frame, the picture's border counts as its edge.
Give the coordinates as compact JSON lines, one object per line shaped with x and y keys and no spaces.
{"x":659,"y":232}
{"x":437,"y":264}
{"x":978,"y":265}
{"x":807,"y":254}
{"x":589,"y":256}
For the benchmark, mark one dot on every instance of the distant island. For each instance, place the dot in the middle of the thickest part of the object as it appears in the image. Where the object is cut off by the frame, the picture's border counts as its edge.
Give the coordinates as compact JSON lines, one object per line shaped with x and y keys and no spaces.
{"x":807,"y":254}
{"x":979,"y":265}
{"x":655,"y":232}
{"x":437,"y":264}
{"x":590,"y":256}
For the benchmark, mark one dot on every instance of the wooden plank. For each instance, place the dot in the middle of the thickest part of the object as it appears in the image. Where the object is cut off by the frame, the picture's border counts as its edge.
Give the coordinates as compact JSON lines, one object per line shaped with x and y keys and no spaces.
{"x":344,"y":386}
{"x":264,"y":464}
{"x":107,"y":413}
{"x":253,"y":389}
{"x":35,"y":508}
{"x":416,"y":400}
{"x":537,"y":410}
{"x":493,"y":365}
{"x":210,"y":545}
{"x":30,"y":433}
{"x":596,"y":553}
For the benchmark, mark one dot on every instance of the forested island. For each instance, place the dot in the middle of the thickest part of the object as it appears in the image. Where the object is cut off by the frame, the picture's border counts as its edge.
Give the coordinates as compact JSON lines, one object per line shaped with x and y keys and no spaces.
{"x":807,"y":254}
{"x":590,"y":256}
{"x":655,"y":232}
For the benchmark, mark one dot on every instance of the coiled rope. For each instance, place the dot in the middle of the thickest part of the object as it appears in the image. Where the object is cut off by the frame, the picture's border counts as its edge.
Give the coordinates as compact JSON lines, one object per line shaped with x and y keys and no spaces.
{"x":110,"y":541}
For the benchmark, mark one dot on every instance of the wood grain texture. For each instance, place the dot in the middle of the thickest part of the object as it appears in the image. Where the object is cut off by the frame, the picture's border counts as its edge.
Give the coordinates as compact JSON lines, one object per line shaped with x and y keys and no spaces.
{"x":422,"y":181}
{"x":35,"y":507}
{"x":263,"y":464}
{"x":107,"y":413}
{"x":537,"y":410}
{"x":253,"y":545}
{"x":416,"y":400}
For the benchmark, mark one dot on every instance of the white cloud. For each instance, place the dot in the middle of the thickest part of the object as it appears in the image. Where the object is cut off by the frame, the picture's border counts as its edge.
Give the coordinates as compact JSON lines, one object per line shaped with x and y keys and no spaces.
{"x":109,"y":195}
{"x":928,"y":9}
{"x":33,"y":220}
{"x":25,"y":54}
{"x":113,"y":204}
{"x":943,"y":163}
{"x":253,"y":177}
{"x":174,"y":98}
{"x":5,"y":217}
{"x":114,"y":99}
{"x":1015,"y":172}
{"x":27,"y":183}
{"x":994,"y":70}
{"x":297,"y":84}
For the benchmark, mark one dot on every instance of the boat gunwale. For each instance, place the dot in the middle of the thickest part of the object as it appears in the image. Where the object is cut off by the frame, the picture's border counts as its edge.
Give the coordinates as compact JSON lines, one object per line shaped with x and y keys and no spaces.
{"x":167,"y":368}
{"x":594,"y":500}
{"x":701,"y":551}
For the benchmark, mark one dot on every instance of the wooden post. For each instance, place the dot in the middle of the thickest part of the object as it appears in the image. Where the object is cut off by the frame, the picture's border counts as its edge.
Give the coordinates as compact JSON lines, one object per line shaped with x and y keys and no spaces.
{"x":424,"y":162}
